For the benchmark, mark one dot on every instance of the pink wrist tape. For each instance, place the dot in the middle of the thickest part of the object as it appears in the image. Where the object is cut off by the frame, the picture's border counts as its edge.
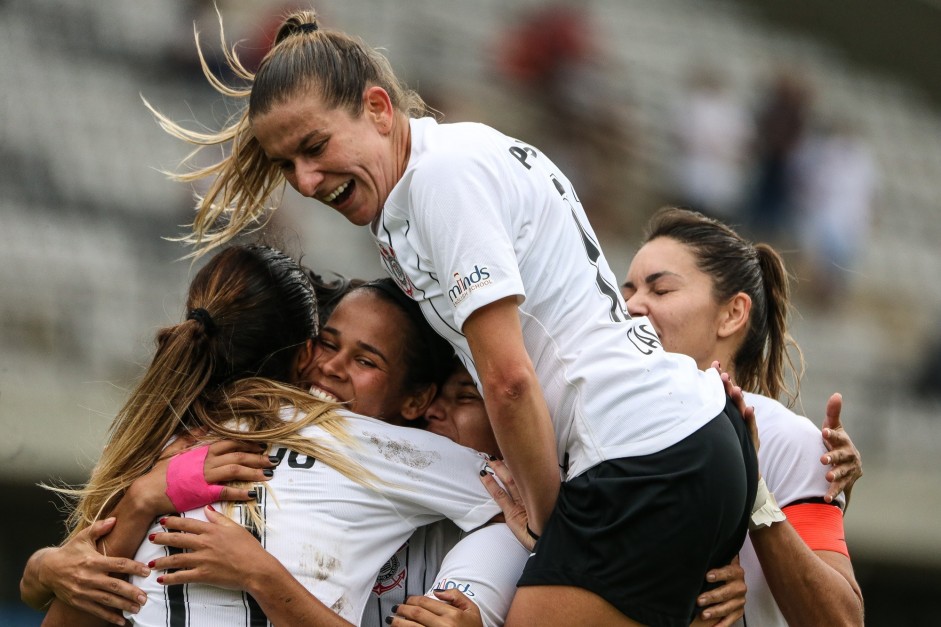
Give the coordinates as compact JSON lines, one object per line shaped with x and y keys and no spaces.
{"x":186,"y":484}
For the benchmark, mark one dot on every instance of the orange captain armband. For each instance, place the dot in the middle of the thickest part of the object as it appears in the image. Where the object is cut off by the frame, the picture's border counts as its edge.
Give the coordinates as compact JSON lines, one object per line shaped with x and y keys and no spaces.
{"x":820,"y":526}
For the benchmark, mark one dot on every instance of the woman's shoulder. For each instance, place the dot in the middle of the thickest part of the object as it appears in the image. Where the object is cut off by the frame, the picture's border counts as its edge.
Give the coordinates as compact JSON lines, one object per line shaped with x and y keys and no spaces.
{"x":436,"y":145}
{"x":783,"y":433}
{"x":775,"y":419}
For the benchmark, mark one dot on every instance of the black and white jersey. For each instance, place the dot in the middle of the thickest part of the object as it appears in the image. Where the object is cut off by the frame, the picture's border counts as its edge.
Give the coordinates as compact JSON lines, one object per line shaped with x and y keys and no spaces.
{"x":411,"y":570}
{"x":332,"y":534}
{"x":484,"y":565}
{"x":478,"y":216}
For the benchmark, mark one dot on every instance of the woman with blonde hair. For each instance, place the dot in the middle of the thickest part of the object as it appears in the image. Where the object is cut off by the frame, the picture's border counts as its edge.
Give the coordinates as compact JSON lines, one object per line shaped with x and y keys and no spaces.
{"x":348,"y":489}
{"x":491,"y":239}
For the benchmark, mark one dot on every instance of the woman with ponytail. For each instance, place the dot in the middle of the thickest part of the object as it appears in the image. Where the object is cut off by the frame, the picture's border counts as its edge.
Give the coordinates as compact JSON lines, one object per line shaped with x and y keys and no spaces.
{"x":489,"y":236}
{"x":714,"y":296}
{"x":347,"y":492}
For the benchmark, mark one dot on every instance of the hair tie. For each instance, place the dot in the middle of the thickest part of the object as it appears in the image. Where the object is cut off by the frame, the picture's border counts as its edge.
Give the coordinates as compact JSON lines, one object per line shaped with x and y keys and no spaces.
{"x":202,"y":316}
{"x":309,"y":27}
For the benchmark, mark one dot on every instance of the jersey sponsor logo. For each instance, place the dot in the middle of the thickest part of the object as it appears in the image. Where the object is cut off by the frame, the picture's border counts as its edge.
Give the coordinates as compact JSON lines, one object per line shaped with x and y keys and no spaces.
{"x":391,"y":575}
{"x":450,"y":584}
{"x":394,"y":268}
{"x":464,"y":285}
{"x":644,"y":338}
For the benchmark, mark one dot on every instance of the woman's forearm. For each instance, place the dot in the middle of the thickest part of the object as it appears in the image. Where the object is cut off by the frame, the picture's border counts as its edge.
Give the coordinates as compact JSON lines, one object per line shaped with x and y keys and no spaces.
{"x":516,"y":405}
{"x":33,"y":591}
{"x":285,"y":601}
{"x":811,"y":588}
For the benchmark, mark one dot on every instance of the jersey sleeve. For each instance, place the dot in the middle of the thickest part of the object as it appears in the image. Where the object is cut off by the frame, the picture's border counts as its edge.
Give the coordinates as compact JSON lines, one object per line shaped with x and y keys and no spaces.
{"x":789,"y":459}
{"x":459,"y":204}
{"x":789,"y":456}
{"x":485,"y":567}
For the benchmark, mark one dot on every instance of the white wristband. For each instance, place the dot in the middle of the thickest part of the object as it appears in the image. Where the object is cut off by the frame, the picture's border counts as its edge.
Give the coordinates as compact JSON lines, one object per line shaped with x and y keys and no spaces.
{"x":765,"y":511}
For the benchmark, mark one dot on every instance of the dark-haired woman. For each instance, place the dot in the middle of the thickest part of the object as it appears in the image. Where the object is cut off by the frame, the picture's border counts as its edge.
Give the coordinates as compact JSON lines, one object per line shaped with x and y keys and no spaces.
{"x":712,"y":295}
{"x":489,"y":236}
{"x":348,"y":489}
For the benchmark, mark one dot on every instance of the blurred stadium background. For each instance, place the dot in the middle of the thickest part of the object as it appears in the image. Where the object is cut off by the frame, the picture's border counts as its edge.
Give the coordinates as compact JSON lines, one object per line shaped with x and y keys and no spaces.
{"x":87,"y":276}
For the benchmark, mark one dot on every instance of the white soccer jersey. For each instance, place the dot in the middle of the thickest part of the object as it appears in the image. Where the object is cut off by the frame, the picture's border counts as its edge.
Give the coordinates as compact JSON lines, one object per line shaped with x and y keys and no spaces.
{"x":484,"y":565}
{"x":479,"y":216}
{"x":331,"y":533}
{"x":789,"y":461}
{"x":411,"y":571}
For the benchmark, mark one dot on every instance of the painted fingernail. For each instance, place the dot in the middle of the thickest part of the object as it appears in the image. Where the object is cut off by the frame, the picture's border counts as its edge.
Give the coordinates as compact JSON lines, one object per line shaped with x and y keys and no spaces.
{"x":389,"y":620}
{"x":395,"y":608}
{"x":211,"y":508}
{"x":151,"y":563}
{"x":151,"y":538}
{"x":267,"y":472}
{"x":483,"y":473}
{"x":493,"y":458}
{"x":274,"y":459}
{"x":253,"y":494}
{"x":160,"y":579}
{"x":163,"y":522}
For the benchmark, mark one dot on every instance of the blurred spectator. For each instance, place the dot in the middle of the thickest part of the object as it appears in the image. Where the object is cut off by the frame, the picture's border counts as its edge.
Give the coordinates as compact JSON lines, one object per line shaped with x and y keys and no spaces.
{"x":780,"y":125}
{"x":713,"y":131}
{"x":552,"y":53}
{"x":927,"y":379}
{"x":835,"y":177}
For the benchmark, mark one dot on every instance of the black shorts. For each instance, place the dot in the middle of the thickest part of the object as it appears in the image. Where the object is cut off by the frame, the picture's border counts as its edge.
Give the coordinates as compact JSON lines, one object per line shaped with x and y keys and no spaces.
{"x":641,"y":532}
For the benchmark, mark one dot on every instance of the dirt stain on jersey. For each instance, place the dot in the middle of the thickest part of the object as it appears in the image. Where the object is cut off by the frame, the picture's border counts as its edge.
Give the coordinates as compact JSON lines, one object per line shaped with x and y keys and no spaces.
{"x":317,"y":564}
{"x":340,"y":605}
{"x":404,"y":452}
{"x":325,"y":566}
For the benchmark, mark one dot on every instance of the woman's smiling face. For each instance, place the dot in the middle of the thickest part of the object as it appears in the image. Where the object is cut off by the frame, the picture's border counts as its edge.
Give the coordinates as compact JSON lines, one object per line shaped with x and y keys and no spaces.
{"x":360,"y":357}
{"x":343,"y":160}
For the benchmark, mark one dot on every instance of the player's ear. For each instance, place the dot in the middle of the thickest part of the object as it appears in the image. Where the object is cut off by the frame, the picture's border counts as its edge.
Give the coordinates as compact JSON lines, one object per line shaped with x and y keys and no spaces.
{"x":377,"y":106}
{"x":733,"y":317}
{"x":416,"y":404}
{"x":303,"y":363}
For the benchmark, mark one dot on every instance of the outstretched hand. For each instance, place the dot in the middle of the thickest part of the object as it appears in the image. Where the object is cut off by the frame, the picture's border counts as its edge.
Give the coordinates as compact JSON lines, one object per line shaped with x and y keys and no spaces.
{"x":844,"y":459}
{"x":80,"y":576}
{"x":508,"y":498}
{"x":450,"y":608}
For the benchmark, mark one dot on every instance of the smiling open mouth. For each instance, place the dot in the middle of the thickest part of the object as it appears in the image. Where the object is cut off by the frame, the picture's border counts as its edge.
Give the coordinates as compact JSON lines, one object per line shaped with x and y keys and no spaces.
{"x":322,"y":395}
{"x":340,"y":194}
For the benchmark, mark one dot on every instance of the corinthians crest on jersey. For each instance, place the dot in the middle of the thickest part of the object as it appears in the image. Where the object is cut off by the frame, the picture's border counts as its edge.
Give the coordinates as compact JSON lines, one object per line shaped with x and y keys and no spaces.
{"x":392,"y":265}
{"x":392,"y":574}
